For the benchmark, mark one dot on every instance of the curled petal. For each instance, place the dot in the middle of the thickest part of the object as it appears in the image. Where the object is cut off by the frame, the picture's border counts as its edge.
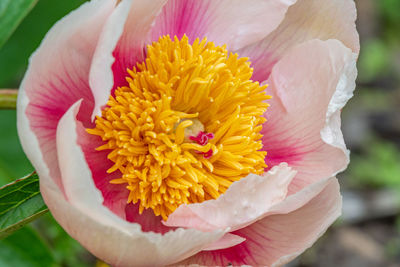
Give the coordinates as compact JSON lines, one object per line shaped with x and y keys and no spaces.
{"x":103,"y":233}
{"x":278,"y":239}
{"x":309,"y":85}
{"x":245,"y":201}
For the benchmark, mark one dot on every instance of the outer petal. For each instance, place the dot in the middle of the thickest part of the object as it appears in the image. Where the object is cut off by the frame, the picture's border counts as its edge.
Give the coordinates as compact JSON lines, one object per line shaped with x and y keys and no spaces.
{"x":106,"y":235}
{"x":278,"y":239}
{"x":115,"y":196}
{"x":243,"y":203}
{"x":233,"y":22}
{"x":56,"y":78}
{"x":121,"y":46}
{"x":306,"y":20}
{"x":227,"y":241}
{"x":309,"y":85}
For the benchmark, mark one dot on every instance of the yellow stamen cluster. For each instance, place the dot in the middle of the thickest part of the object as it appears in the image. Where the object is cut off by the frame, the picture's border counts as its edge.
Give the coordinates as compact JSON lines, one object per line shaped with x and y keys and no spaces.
{"x":146,"y":124}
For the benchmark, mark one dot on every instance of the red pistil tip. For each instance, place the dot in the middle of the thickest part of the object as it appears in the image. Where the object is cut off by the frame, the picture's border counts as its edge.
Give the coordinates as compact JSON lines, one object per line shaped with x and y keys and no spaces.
{"x":202,"y":139}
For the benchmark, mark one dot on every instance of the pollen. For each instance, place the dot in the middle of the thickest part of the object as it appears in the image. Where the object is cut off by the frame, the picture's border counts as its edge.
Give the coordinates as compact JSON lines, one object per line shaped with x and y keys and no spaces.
{"x":185,"y":126}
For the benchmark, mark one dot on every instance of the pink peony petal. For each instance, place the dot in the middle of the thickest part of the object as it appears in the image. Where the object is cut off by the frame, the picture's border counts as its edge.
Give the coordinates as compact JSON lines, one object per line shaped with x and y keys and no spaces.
{"x":227,"y":241}
{"x":115,"y":196}
{"x":148,"y":221}
{"x":305,"y":20}
{"x":121,"y":46}
{"x":103,"y":233}
{"x":236,"y":23}
{"x":309,"y":86}
{"x":56,"y":78}
{"x":278,"y":239}
{"x":243,"y":203}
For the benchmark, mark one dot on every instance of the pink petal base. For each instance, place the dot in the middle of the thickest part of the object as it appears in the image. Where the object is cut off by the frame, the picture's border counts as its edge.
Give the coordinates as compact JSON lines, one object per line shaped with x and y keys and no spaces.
{"x":101,"y":231}
{"x":57,"y":78}
{"x":301,"y":127}
{"x":115,"y":196}
{"x":148,"y":221}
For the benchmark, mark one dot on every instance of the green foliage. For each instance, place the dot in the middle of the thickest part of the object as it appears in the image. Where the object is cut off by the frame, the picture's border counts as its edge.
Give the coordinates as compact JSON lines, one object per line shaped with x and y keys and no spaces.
{"x":11,"y":14}
{"x":390,"y":10}
{"x":374,"y":60}
{"x":378,"y":167}
{"x":25,"y":248}
{"x":390,"y":17}
{"x":20,"y":203}
{"x":13,"y":162}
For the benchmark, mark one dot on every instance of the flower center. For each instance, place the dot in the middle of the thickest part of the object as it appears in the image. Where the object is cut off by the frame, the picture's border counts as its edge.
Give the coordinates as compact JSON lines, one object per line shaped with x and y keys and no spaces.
{"x":186,"y":125}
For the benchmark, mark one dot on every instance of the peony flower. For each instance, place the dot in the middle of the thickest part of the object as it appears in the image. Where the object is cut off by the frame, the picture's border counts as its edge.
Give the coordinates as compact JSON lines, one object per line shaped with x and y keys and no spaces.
{"x":192,"y":132}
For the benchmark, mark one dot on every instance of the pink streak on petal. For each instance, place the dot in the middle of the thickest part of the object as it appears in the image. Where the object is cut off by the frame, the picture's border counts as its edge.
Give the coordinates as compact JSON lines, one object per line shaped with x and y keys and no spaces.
{"x":58,"y":76}
{"x":284,"y":151}
{"x":236,"y":23}
{"x":131,"y":47}
{"x":262,"y":61}
{"x":148,"y":221}
{"x":182,"y":17}
{"x":301,"y":107}
{"x":277,"y":239}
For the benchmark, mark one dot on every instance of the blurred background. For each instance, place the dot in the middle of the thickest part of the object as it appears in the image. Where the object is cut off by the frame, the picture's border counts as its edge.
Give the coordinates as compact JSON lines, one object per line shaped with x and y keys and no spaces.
{"x":368,"y":233}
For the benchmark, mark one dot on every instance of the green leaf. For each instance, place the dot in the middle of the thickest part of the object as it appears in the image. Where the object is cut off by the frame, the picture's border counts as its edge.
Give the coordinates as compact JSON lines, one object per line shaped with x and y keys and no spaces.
{"x":20,"y":203}
{"x":13,"y":162}
{"x":25,"y":248}
{"x":12,"y":13}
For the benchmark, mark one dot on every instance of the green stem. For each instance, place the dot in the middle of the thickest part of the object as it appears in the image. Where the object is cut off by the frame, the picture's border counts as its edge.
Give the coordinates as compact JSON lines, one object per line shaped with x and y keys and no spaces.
{"x":8,"y":98}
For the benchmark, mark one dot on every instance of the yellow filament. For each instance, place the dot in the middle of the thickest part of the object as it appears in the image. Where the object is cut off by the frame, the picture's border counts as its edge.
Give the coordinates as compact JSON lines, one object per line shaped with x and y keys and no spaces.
{"x":180,"y":89}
